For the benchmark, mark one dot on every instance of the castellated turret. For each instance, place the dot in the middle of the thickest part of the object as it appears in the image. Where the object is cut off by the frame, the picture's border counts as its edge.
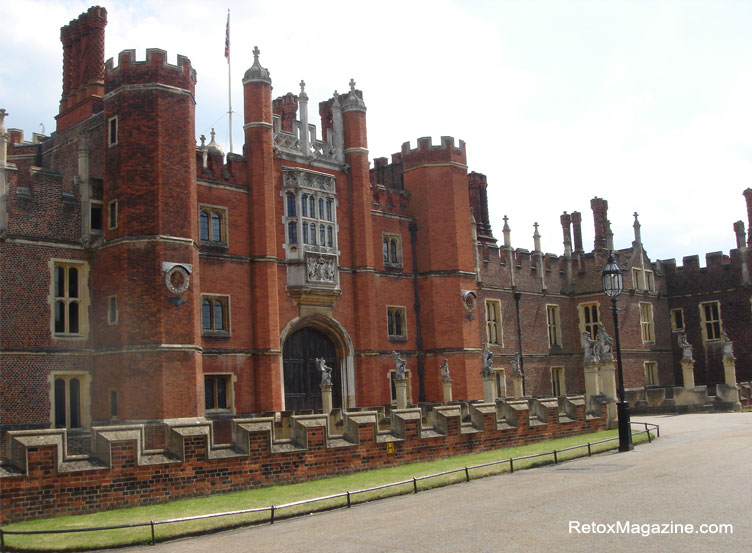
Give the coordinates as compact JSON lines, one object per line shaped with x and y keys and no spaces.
{"x":149,"y":198}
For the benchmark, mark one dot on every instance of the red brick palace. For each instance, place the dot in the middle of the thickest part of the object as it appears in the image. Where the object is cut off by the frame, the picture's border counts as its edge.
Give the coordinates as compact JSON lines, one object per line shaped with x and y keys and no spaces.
{"x":147,"y":277}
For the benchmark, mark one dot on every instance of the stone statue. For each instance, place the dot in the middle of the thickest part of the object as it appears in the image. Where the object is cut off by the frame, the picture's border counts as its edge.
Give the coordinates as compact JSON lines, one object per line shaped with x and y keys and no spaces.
{"x":728,"y":347}
{"x":445,"y":371}
{"x":515,"y":363}
{"x":686,"y":348}
{"x":604,"y":344}
{"x":487,"y":361}
{"x":326,"y":372}
{"x":399,"y":371}
{"x":588,"y":345}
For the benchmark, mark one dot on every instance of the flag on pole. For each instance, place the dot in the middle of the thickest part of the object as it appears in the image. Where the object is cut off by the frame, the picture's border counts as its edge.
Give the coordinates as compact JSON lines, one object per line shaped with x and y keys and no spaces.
{"x":227,"y":38}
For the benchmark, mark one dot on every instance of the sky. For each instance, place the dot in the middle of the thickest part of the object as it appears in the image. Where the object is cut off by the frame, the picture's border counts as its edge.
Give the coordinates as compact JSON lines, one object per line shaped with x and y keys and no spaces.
{"x":647,"y":104}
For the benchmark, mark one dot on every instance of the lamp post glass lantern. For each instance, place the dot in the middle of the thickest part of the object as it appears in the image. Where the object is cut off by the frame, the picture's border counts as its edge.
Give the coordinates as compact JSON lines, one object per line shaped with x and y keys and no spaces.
{"x":613,"y":285}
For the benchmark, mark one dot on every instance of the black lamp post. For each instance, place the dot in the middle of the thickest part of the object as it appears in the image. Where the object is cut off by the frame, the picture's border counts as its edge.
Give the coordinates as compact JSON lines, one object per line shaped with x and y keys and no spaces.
{"x":613,"y":285}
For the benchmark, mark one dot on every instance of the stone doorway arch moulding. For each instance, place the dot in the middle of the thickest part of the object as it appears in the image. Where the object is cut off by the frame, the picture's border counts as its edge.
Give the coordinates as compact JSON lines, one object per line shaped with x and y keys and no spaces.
{"x":342,"y":342}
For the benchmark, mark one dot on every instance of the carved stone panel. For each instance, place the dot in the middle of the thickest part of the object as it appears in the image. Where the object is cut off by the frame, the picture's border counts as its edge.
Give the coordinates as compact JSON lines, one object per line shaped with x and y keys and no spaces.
{"x":321,"y":269}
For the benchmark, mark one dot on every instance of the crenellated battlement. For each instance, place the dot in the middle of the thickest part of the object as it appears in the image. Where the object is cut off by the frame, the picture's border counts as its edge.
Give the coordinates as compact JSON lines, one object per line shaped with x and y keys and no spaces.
{"x":426,"y":152}
{"x":153,"y":69}
{"x":721,"y":271}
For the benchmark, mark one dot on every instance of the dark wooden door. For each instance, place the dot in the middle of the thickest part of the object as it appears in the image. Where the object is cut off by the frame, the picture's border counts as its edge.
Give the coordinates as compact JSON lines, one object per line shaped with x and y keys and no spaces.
{"x":301,"y":377}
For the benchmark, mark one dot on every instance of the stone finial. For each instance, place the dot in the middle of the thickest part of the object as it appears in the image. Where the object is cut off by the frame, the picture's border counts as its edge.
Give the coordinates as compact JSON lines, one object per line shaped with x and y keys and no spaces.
{"x":203,"y":141}
{"x":213,"y":147}
{"x":353,"y":102}
{"x":257,"y":72}
{"x":507,"y":233}
{"x":3,"y":115}
{"x":536,"y":238}
{"x":303,"y":96}
{"x":636,"y":226}
{"x":686,"y":348}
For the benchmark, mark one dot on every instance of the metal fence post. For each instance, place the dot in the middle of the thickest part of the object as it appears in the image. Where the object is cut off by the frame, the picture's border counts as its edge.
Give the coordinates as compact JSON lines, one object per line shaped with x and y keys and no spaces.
{"x":588,"y":450}
{"x":272,"y":517}
{"x":415,"y":485}
{"x":348,"y":500}
{"x":152,"y":533}
{"x":467,"y":475}
{"x":556,"y":459}
{"x":511,"y":465}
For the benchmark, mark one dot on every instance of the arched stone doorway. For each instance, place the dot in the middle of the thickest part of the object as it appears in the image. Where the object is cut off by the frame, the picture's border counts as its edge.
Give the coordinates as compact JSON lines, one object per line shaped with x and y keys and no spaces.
{"x":301,"y":377}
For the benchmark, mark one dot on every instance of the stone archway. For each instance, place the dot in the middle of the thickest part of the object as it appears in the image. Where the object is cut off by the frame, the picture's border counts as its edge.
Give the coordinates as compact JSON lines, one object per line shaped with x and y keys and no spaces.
{"x":304,"y":339}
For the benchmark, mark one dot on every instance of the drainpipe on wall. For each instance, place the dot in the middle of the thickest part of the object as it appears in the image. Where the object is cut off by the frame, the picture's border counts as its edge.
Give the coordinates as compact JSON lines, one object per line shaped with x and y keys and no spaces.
{"x":517,"y":297}
{"x":413,"y":228}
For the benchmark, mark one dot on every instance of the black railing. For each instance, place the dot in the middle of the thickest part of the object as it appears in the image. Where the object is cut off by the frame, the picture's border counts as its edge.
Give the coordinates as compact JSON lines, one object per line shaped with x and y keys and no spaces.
{"x":347,"y":494}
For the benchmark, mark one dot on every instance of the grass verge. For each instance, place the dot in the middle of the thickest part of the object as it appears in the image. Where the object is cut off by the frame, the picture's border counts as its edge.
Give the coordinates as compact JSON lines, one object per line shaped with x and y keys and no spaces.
{"x":280,"y":495}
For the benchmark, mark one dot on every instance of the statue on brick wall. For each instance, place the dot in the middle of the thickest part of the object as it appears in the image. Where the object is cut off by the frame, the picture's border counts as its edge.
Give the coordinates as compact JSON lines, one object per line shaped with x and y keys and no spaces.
{"x":686,"y":348}
{"x":400,"y":368}
{"x":604,"y":344}
{"x":326,"y":372}
{"x":487,"y":361}
{"x":445,"y":371}
{"x":588,"y":346}
{"x":728,"y":347}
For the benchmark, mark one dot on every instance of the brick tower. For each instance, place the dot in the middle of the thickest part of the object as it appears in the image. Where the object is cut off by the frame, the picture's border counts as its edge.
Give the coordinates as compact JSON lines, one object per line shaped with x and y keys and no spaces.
{"x":258,"y":150}
{"x":144,"y":282}
{"x":436,"y":177}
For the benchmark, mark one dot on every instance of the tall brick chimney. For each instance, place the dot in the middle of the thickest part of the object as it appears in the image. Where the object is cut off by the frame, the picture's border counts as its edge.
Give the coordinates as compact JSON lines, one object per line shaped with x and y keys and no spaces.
{"x":287,"y":108}
{"x":566,"y":227}
{"x":577,"y":231}
{"x":83,"y":67}
{"x":748,"y":195}
{"x":600,"y":220}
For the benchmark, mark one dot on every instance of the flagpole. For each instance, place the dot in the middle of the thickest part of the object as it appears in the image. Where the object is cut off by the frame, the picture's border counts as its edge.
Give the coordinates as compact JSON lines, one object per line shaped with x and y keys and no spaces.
{"x":229,"y":76}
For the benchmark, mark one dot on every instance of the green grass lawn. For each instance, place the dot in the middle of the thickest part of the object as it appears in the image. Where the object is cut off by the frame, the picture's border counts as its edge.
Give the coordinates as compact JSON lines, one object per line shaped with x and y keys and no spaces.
{"x":280,"y":495}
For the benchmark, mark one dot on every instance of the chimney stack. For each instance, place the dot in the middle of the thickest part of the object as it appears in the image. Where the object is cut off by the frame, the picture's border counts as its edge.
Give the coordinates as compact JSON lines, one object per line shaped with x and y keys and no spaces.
{"x":600,"y":220}
{"x":748,"y":195}
{"x":577,"y":230}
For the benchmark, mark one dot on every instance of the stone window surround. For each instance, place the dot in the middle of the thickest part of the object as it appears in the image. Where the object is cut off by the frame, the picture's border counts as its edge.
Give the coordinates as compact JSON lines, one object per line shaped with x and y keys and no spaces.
{"x":112,"y":214}
{"x":83,"y":299}
{"x":715,"y":324}
{"x":674,"y":326}
{"x":651,"y":373}
{"x":392,"y":249}
{"x":647,"y":325}
{"x":391,"y":310}
{"x":553,"y":326}
{"x":221,"y":212}
{"x":494,"y":325}
{"x":85,"y":396}
{"x":224,"y":300}
{"x":113,"y":127}
{"x":112,"y":310}
{"x":230,"y":380}
{"x":582,"y":308}
{"x":558,"y":379}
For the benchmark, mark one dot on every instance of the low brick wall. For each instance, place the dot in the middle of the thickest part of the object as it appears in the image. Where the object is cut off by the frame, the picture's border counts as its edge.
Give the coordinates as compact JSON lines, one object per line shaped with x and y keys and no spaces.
{"x":40,"y":481}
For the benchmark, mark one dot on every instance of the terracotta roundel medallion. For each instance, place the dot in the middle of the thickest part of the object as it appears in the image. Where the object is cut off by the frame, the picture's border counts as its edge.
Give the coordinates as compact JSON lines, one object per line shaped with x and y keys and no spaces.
{"x":177,"y":280}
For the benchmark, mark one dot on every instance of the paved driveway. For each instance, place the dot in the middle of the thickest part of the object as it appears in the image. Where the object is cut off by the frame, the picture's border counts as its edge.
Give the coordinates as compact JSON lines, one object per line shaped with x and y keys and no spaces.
{"x":699,"y":472}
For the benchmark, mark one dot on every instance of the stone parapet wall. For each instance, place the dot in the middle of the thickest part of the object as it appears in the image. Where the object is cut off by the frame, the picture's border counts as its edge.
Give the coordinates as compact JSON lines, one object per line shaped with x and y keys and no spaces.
{"x":41,"y":481}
